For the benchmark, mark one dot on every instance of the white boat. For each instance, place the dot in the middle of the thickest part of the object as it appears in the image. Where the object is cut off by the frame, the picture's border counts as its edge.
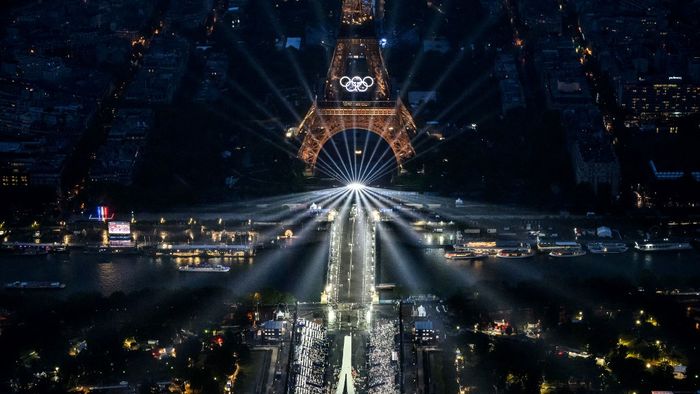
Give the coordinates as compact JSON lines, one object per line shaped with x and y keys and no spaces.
{"x":515,"y":254}
{"x":465,"y":255}
{"x":662,"y":246}
{"x":203,"y":268}
{"x":567,"y":252}
{"x":552,"y":245}
{"x":35,"y":285}
{"x":607,"y":247}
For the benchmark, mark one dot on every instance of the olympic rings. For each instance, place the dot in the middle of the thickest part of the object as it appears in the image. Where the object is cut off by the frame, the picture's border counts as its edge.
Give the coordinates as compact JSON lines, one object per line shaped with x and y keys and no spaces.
{"x":356,"y":84}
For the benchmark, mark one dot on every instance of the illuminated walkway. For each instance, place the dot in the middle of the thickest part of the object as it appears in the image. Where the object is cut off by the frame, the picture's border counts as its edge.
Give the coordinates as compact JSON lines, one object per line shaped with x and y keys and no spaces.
{"x":346,"y":383}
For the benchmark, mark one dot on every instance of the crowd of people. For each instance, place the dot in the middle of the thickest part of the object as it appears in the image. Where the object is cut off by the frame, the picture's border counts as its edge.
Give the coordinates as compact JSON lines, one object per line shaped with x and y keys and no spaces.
{"x":383,"y":359}
{"x":310,"y":358}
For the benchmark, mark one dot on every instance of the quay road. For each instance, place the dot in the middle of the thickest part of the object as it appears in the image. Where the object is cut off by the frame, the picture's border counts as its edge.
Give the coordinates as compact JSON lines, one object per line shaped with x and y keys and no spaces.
{"x":356,"y":251}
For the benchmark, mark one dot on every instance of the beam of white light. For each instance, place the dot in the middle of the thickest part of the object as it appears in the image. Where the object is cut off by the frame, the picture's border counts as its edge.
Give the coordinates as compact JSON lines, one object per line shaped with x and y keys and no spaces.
{"x":371,"y":164}
{"x":375,"y":172}
{"x":381,"y":162}
{"x":382,"y":167}
{"x":320,"y":161}
{"x":399,"y":260}
{"x":349,"y":155}
{"x":375,"y":197}
{"x":360,"y":170}
{"x":364,"y":150}
{"x":258,"y":134}
{"x":347,"y":172}
{"x":329,"y":201}
{"x":354,"y":152}
{"x":514,"y":269}
{"x":390,"y":166}
{"x":481,"y":29}
{"x":466,"y":93}
{"x":251,"y":99}
{"x":244,"y":210}
{"x":383,"y":202}
{"x":272,"y":261}
{"x":355,"y":186}
{"x":341,"y":175}
{"x":322,"y":165}
{"x":264,"y":76}
{"x":433,"y":27}
{"x":348,"y":165}
{"x":380,"y":197}
{"x":335,"y":174}
{"x":374,"y":200}
{"x":313,"y":270}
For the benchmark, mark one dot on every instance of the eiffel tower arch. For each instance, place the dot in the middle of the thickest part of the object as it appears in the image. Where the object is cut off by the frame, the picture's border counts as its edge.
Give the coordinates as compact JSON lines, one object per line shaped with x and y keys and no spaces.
{"x":356,"y":93}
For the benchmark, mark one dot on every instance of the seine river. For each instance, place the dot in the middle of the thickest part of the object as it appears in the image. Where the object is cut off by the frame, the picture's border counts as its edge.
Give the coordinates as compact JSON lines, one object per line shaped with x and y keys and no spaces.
{"x":297,"y":270}
{"x":300,"y":270}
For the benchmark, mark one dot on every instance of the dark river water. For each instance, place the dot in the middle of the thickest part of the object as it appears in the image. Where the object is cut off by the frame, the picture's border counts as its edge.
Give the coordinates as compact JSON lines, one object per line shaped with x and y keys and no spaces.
{"x":300,"y":269}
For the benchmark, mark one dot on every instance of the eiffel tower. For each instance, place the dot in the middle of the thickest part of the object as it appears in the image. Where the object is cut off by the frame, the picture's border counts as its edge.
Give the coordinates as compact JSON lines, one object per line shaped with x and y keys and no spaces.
{"x":356,"y":92}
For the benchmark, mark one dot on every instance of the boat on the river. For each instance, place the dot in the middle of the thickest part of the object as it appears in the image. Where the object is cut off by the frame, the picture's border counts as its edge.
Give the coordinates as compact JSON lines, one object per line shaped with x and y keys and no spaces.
{"x":35,"y":285}
{"x":465,"y":255}
{"x":607,"y":247}
{"x":662,"y":246}
{"x":204,"y":268}
{"x":515,"y":254}
{"x":567,"y":252}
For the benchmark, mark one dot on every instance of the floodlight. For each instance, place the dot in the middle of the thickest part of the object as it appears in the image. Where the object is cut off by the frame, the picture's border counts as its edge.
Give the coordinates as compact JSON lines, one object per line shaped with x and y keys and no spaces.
{"x":355,"y":186}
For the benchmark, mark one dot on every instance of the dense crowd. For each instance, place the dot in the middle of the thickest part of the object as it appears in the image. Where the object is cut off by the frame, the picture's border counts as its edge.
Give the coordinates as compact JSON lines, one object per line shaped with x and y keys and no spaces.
{"x":383,"y":363}
{"x":310,"y":358}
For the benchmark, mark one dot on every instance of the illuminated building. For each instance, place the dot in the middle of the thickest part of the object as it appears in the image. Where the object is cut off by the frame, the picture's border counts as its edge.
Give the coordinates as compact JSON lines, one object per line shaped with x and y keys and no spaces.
{"x":660,"y":99}
{"x":423,"y":331}
{"x":13,"y":175}
{"x":273,"y":330}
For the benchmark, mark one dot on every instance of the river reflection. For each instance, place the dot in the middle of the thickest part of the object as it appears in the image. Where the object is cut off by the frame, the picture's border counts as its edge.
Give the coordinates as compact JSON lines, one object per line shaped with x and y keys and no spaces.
{"x":300,"y":269}
{"x":282,"y":269}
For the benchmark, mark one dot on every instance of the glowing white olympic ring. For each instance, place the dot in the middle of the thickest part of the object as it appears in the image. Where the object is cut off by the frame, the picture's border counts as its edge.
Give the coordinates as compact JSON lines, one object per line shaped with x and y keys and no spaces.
{"x":356,"y":84}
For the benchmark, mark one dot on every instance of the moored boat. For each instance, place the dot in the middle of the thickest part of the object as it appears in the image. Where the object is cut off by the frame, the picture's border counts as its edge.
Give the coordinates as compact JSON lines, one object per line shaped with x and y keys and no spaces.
{"x":567,"y":253}
{"x":465,"y":255}
{"x":662,"y":246}
{"x":35,"y":285}
{"x":555,"y":245}
{"x":607,"y":247}
{"x":515,"y":254}
{"x":203,"y":268}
